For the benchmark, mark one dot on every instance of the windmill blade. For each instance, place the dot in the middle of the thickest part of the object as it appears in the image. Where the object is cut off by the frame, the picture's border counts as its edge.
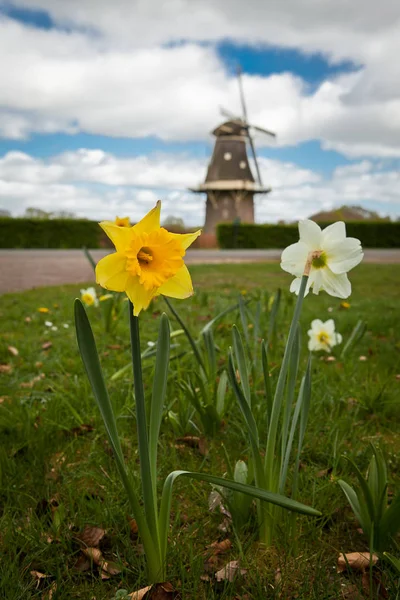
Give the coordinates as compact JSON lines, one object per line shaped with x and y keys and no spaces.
{"x":241,"y":91}
{"x":253,"y":150}
{"x":271,"y":133}
{"x":227,"y":113}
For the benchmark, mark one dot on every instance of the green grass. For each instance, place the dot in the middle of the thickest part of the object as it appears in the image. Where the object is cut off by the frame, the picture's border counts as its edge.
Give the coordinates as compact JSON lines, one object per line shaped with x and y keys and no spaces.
{"x":56,"y":477}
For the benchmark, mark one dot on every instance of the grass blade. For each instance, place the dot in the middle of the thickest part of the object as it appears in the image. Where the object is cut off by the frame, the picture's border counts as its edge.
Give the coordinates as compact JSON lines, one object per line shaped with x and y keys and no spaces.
{"x":240,"y":356}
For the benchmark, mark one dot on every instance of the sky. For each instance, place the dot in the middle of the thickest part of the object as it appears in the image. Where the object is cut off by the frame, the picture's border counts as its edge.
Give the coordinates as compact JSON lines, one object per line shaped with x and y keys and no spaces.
{"x":106,"y":107}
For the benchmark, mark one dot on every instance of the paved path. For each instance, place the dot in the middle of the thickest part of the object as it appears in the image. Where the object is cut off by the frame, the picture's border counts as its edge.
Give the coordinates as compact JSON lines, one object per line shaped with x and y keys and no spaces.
{"x":26,"y":269}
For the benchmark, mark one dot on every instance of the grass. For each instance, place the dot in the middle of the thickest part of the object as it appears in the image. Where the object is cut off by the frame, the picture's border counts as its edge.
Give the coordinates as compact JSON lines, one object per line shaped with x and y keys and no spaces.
{"x":57,"y":475}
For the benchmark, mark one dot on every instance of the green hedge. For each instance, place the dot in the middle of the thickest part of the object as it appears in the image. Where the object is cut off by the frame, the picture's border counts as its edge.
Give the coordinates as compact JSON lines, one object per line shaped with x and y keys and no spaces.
{"x":49,"y":233}
{"x":373,"y":234}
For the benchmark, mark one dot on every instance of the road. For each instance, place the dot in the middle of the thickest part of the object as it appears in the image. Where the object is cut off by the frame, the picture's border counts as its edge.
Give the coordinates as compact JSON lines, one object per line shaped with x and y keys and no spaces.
{"x":26,"y":269}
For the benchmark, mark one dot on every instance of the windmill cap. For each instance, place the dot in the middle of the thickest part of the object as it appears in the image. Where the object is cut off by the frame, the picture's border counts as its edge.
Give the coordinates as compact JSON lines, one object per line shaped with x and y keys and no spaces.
{"x":236,"y":127}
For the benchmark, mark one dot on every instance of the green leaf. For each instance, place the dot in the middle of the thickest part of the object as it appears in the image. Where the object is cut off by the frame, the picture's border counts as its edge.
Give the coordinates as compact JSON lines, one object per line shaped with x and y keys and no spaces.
{"x":240,"y":356}
{"x":355,"y":505}
{"x":273,"y":315}
{"x":267,"y":382}
{"x":158,"y":393}
{"x":210,"y":353}
{"x":395,"y":561}
{"x":354,"y":338}
{"x":190,"y":338}
{"x":221,"y":393}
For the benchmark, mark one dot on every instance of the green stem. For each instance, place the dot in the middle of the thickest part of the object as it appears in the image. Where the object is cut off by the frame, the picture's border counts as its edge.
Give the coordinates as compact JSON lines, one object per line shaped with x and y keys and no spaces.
{"x":150,"y":507}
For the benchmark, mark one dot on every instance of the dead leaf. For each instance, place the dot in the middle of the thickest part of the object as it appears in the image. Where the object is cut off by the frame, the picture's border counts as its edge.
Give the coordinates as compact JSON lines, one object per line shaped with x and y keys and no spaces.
{"x":140,"y":594}
{"x":358,"y":561}
{"x":38,"y":364}
{"x":82,"y":564}
{"x":31,"y":383}
{"x":114,"y":346}
{"x":13,"y":350}
{"x":28,"y":319}
{"x":230,"y":571}
{"x":47,"y":345}
{"x":5,"y":368}
{"x":194,"y":442}
{"x":39,"y":577}
{"x":48,"y":594}
{"x":351,"y":592}
{"x":133,"y":527}
{"x":107,"y":568}
{"x":220,"y":547}
{"x":94,"y":554}
{"x":324,"y":472}
{"x":91,"y":536}
{"x":81,"y":429}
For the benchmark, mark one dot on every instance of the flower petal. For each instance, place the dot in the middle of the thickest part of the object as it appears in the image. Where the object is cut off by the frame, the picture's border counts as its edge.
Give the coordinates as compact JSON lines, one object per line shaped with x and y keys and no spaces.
{"x":121,"y":237}
{"x":150,"y":222}
{"x":294,"y":258}
{"x":333,"y":233}
{"x":344,"y":255}
{"x":316,"y":325}
{"x":329,"y":326}
{"x":310,"y":234}
{"x":178,"y":286}
{"x":111,"y":272}
{"x":336,"y":285}
{"x":186,"y":239}
{"x":295,"y":286}
{"x":138,"y":295}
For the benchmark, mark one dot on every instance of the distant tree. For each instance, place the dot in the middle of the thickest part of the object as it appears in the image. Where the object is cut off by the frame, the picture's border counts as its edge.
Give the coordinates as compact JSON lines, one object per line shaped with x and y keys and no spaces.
{"x":5,"y":214}
{"x":175,"y":222}
{"x":63,"y":214}
{"x":36,"y":213}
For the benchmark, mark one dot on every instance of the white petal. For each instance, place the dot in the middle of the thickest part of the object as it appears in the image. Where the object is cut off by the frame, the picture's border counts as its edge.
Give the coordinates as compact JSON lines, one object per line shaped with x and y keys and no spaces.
{"x":295,"y":286}
{"x":316,"y":325}
{"x":310,"y":234}
{"x":336,"y":285}
{"x":339,"y":338}
{"x":315,"y":280}
{"x":329,"y":326}
{"x":294,"y":258}
{"x":344,"y":256}
{"x":333,"y":233}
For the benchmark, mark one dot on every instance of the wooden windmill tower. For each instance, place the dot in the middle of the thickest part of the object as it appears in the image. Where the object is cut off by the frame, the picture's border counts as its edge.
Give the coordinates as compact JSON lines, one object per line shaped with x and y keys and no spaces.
{"x":230,"y":185}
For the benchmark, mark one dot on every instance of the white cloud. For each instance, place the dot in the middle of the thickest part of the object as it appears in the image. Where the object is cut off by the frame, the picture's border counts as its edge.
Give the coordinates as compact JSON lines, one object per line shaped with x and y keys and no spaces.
{"x":123,"y":82}
{"x":97,"y":185}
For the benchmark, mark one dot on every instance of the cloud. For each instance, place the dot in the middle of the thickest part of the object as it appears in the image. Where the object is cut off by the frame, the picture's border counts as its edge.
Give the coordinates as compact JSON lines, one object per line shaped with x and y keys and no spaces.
{"x":99,"y":185}
{"x":128,"y":80}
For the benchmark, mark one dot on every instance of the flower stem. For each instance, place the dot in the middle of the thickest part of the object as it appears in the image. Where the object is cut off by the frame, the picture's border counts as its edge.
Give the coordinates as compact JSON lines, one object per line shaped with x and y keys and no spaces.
{"x":150,"y":505}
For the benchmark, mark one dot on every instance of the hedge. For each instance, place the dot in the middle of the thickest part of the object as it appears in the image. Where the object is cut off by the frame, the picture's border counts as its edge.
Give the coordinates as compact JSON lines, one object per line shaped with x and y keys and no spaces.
{"x":373,"y":234}
{"x":49,"y":233}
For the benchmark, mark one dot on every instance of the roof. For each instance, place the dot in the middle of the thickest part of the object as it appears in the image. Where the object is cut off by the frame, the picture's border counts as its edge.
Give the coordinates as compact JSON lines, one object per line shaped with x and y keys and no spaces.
{"x":233,"y":127}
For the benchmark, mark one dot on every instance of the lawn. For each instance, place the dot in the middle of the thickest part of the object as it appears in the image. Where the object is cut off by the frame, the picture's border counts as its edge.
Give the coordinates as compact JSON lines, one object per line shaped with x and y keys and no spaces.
{"x":58,"y":477}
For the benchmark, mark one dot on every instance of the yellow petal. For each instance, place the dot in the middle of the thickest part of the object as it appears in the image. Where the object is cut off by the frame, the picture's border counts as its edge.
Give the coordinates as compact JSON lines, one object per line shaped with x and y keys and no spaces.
{"x":121,"y":237}
{"x":179,"y":286}
{"x":138,"y":295}
{"x":150,"y":222}
{"x":186,"y":239}
{"x":111,"y":272}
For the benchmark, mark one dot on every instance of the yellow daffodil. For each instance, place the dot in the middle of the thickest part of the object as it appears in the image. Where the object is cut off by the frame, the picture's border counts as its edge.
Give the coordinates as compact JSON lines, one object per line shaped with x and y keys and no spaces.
{"x":122,"y":222}
{"x":148,"y":261}
{"x":43,"y":310}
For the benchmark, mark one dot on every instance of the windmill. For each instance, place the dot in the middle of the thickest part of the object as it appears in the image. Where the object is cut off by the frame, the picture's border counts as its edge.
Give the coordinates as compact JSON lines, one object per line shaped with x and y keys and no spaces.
{"x":229,"y":184}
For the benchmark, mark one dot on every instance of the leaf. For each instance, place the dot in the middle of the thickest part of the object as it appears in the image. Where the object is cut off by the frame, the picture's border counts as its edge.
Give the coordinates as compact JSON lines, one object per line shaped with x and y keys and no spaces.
{"x":31,"y":383}
{"x":5,"y":368}
{"x":91,"y":536}
{"x":194,"y":441}
{"x":220,"y":547}
{"x":13,"y":350}
{"x":357,"y":561}
{"x":230,"y":571}
{"x":158,"y":591}
{"x":47,"y":345}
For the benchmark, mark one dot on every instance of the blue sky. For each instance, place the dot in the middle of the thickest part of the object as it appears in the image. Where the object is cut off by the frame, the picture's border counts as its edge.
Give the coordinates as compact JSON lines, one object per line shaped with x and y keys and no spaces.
{"x":90,"y":104}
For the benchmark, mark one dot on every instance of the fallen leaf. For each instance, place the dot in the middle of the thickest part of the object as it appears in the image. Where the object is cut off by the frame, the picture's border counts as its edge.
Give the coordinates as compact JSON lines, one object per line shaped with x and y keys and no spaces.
{"x":91,"y":536}
{"x":94,"y":554}
{"x":362,"y":358}
{"x":220,"y":547}
{"x":31,"y":383}
{"x":5,"y":368}
{"x":324,"y":472}
{"x":230,"y":571}
{"x":48,"y":594}
{"x":28,"y":319}
{"x":81,"y":429}
{"x":133,"y":528}
{"x":194,"y":442}
{"x":47,"y":345}
{"x":114,"y":346}
{"x":13,"y":350}
{"x":140,"y":594}
{"x":107,"y":568}
{"x":38,"y":364}
{"x":358,"y":561}
{"x":82,"y":564}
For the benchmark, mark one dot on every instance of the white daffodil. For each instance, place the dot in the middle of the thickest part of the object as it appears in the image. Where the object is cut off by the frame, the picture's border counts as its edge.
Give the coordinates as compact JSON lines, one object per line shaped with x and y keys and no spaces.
{"x":334,"y":255}
{"x":48,"y":324}
{"x":89,"y":297}
{"x":323,"y":335}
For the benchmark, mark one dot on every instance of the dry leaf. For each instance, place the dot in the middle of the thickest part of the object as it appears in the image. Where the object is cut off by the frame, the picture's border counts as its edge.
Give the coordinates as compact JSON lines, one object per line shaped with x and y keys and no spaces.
{"x":5,"y":368}
{"x":31,"y":383}
{"x":94,"y":554}
{"x":28,"y":319}
{"x":358,"y":561}
{"x":47,"y":345}
{"x":133,"y":528}
{"x":82,"y":564}
{"x":13,"y":350}
{"x":91,"y":536}
{"x":48,"y":594}
{"x":114,"y":346}
{"x":194,"y":442}
{"x":230,"y":571}
{"x":140,"y":594}
{"x":82,"y":429}
{"x":220,"y":547}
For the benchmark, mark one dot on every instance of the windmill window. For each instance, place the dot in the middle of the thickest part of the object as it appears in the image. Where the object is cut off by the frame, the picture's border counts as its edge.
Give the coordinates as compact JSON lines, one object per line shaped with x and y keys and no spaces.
{"x":227,"y":156}
{"x":242,"y":164}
